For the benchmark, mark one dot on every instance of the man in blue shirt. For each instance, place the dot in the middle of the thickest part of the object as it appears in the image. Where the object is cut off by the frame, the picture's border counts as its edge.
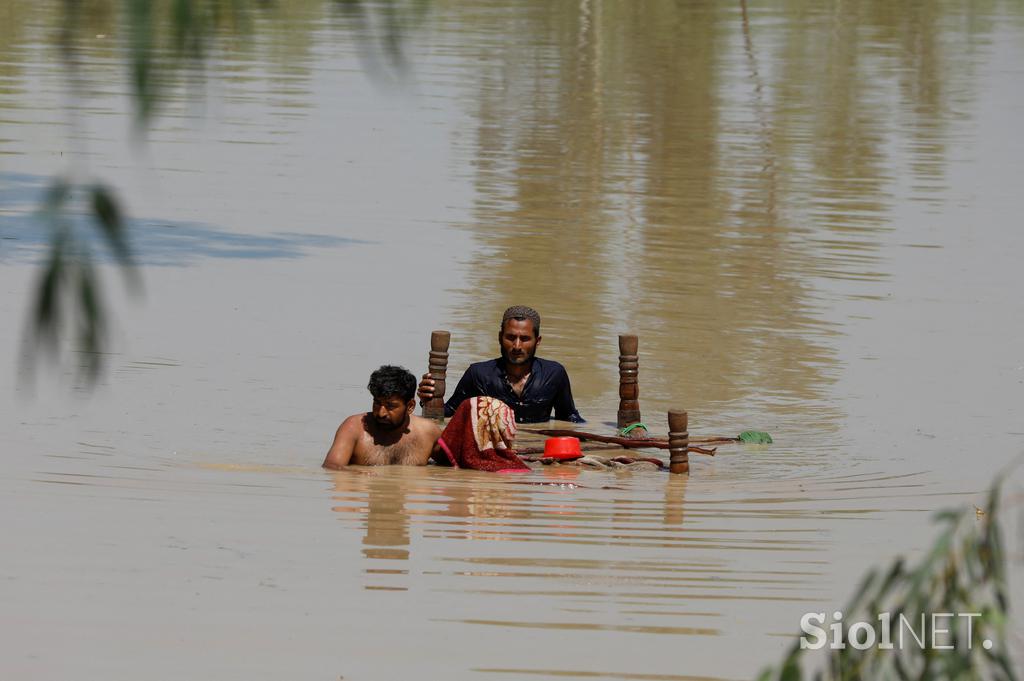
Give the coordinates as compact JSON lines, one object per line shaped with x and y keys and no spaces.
{"x":530,"y":385}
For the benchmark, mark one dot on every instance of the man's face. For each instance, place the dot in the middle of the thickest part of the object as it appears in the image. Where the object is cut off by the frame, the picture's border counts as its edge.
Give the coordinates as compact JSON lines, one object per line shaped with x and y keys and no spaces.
{"x":518,"y":341}
{"x":391,"y":412}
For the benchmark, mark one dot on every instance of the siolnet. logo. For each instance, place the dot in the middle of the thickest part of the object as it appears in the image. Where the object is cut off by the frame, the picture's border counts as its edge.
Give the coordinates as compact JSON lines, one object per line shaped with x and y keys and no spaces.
{"x":939,"y":631}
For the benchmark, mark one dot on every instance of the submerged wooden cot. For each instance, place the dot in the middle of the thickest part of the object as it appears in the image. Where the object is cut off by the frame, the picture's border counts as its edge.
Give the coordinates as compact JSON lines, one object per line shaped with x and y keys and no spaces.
{"x":677,"y":443}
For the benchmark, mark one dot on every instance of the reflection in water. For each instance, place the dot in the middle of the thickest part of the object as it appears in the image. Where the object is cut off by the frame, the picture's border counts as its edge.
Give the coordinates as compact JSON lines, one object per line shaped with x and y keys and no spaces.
{"x":626,"y":174}
{"x":156,"y":242}
{"x":379,"y":498}
{"x":381,"y":507}
{"x":387,"y":525}
{"x":585,"y":626}
{"x":675,"y":493}
{"x":651,"y":556}
{"x":392,"y":504}
{"x":582,"y":674}
{"x":686,"y":170}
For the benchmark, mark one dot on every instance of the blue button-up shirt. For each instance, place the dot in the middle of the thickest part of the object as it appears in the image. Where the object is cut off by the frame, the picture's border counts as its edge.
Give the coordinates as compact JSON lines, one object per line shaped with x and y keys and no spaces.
{"x":547,"y":388}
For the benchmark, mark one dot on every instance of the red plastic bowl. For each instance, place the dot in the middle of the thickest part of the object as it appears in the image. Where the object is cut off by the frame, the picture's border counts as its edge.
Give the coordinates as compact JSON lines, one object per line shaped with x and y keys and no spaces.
{"x":562,"y":448}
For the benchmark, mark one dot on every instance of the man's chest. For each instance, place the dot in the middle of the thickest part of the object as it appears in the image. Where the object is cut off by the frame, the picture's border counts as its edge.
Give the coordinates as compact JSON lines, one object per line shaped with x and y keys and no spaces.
{"x":368,"y":452}
{"x":517,"y":386}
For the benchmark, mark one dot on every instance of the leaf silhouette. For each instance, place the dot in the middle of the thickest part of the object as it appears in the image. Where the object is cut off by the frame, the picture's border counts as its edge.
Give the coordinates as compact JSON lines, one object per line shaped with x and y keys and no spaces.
{"x":108,"y":216}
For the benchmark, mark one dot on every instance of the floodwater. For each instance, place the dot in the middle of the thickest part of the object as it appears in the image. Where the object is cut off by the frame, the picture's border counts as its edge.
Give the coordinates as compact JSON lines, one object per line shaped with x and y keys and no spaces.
{"x":808,"y":211}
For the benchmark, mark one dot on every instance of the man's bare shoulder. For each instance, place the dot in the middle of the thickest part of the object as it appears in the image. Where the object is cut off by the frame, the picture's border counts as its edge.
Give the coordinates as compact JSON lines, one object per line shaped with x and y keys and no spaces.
{"x":346,"y":442}
{"x":354,"y":425}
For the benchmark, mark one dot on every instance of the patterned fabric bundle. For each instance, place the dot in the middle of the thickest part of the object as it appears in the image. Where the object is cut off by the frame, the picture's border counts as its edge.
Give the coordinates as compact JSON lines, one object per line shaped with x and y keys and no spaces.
{"x":480,"y":436}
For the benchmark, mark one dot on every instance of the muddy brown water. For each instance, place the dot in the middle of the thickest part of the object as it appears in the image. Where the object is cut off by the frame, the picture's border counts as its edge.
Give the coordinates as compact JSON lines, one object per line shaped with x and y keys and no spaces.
{"x":808,"y":211}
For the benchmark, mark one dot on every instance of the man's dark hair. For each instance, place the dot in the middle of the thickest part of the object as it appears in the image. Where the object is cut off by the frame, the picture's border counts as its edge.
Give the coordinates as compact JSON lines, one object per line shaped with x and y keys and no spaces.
{"x":522,"y":313}
{"x":391,"y":380}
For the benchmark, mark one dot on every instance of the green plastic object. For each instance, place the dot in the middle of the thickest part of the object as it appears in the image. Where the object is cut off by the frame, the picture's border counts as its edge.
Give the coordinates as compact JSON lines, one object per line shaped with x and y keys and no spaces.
{"x":633,"y":426}
{"x":756,"y":437}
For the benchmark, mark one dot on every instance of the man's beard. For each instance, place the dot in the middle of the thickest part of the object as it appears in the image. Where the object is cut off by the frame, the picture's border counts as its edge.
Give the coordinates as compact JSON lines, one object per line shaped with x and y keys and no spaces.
{"x":387,"y":425}
{"x":522,"y":358}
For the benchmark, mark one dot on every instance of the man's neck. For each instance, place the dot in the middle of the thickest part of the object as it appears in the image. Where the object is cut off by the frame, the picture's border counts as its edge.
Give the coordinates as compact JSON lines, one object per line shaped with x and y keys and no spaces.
{"x":517,"y":372}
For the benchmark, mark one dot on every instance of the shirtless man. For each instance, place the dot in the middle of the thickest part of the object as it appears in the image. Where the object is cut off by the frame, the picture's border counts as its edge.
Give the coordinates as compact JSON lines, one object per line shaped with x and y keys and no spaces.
{"x":389,"y":434}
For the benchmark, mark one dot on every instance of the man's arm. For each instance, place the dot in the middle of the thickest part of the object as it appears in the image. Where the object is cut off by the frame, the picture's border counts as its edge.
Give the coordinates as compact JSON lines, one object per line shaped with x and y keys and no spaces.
{"x":565,"y":407}
{"x":344,"y":443}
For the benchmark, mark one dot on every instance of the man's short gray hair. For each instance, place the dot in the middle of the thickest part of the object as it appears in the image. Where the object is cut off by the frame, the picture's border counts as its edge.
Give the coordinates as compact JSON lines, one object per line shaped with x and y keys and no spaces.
{"x":522,"y":313}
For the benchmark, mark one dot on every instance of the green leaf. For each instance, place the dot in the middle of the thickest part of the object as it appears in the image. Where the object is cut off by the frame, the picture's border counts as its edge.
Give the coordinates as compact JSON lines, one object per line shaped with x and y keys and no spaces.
{"x":47,"y":306}
{"x":93,"y":323}
{"x":108,"y":215}
{"x":107,"y":212}
{"x":790,"y":670}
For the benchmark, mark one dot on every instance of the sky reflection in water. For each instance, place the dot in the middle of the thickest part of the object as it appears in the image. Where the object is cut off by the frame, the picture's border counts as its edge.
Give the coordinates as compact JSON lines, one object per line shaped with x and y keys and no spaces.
{"x":25,"y":237}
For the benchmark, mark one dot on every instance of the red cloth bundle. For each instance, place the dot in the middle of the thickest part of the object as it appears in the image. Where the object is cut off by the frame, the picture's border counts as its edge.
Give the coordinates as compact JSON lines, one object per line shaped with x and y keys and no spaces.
{"x":480,"y":436}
